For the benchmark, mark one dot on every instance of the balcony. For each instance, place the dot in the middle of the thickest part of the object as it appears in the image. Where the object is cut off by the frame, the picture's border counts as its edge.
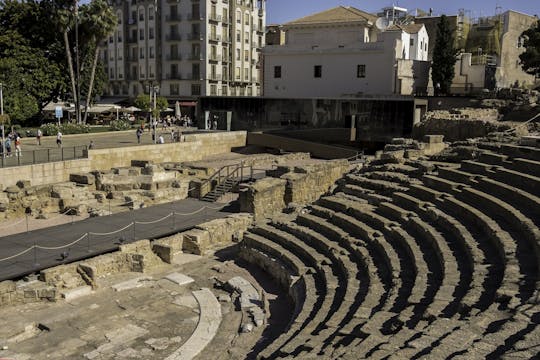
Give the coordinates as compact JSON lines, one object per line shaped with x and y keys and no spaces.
{"x":194,"y":77}
{"x":214,"y":77}
{"x":173,"y":37}
{"x":176,"y":76}
{"x":196,"y":57}
{"x":195,"y":17}
{"x":214,"y":57}
{"x":214,"y":37}
{"x":132,"y":22}
{"x":226,"y":39}
{"x":214,"y":17}
{"x":173,"y":17}
{"x":195,"y":37}
{"x":132,"y":40}
{"x":173,"y":57}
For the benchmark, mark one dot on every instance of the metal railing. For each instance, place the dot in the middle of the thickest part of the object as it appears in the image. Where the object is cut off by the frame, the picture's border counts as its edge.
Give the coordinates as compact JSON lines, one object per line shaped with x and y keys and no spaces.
{"x":30,"y":157}
{"x":233,"y":172}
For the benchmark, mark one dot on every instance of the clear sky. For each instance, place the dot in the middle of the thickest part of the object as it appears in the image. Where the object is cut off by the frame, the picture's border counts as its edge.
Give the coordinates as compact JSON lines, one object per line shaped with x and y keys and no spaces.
{"x":280,"y":11}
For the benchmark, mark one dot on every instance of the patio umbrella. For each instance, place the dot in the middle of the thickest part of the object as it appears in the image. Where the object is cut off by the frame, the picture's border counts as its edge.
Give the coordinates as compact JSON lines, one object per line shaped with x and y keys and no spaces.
{"x":132,"y":109}
{"x":177,"y":112}
{"x":168,"y":110}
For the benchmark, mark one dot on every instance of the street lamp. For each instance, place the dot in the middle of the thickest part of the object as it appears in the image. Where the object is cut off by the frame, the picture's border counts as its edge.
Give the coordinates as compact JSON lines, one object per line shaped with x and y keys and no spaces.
{"x":2,"y":125}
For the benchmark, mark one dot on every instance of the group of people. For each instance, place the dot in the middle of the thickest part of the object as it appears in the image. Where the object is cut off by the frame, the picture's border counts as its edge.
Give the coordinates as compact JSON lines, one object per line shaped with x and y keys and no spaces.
{"x":176,"y":135}
{"x":13,"y":141}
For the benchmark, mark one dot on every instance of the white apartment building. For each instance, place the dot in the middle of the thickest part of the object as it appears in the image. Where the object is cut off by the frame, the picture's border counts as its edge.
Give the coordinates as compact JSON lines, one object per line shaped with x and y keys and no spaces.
{"x":187,"y":48}
{"x":340,"y":52}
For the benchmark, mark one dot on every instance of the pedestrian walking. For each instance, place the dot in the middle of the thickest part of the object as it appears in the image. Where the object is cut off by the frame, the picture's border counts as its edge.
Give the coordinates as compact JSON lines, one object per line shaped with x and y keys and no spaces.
{"x":18,"y":151}
{"x":92,"y":145}
{"x":139,"y":134}
{"x":8,"y":146}
{"x":59,"y":139}
{"x":38,"y":136}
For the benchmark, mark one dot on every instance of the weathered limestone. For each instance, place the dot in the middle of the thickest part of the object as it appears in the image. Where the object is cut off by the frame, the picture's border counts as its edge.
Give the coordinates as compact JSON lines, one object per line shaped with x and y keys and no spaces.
{"x":216,"y":233}
{"x":167,"y":248}
{"x":264,"y":198}
{"x":296,"y":183}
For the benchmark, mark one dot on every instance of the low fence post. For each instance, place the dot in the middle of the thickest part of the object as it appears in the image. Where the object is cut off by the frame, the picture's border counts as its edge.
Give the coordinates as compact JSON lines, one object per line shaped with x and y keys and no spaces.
{"x":62,"y":153}
{"x":33,"y":156}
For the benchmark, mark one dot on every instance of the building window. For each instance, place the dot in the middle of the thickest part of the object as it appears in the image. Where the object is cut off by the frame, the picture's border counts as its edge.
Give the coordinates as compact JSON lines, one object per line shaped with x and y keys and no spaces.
{"x":237,"y":73}
{"x":174,"y":89}
{"x":141,"y":34}
{"x":412,"y":42}
{"x":361,"y":71}
{"x":238,"y":35}
{"x":246,"y":74}
{"x":277,"y":72}
{"x":317,"y":71}
{"x":151,"y":13}
{"x":246,"y":55}
{"x":195,"y":89}
{"x":238,"y":17}
{"x":246,"y":37}
{"x":238,"y":54}
{"x":141,"y":15}
{"x":141,"y":53}
{"x":213,"y":90}
{"x":151,"y":52}
{"x":150,"y":33}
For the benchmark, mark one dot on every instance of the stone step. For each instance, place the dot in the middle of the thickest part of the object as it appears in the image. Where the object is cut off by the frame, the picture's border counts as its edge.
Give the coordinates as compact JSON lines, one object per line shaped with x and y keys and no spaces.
{"x":525,"y":182}
{"x":474,"y":257}
{"x":526,"y":166}
{"x":363,"y":194}
{"x":380,"y":186}
{"x":441,"y":184}
{"x":520,"y":199}
{"x":499,"y":239}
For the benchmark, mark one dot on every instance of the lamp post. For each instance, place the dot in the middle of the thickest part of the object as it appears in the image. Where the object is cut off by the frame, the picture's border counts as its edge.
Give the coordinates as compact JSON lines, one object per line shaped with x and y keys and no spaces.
{"x":2,"y":125}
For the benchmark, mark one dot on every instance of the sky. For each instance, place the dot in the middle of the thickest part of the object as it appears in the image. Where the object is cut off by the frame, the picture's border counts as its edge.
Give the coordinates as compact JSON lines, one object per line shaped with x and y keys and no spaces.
{"x":281,"y":11}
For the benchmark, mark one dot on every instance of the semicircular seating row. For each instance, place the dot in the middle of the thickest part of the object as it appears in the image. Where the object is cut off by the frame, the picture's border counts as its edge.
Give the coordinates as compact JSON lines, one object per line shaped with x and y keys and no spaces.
{"x":413,"y":260}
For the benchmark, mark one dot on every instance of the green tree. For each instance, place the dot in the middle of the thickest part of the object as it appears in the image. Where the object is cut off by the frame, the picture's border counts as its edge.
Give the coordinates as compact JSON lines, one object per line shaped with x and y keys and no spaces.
{"x":530,"y":59}
{"x":143,"y":102}
{"x":29,"y":78}
{"x":444,"y":58}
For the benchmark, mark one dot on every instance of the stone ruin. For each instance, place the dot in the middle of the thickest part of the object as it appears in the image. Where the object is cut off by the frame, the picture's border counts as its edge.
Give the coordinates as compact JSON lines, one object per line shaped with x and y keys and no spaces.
{"x":413,"y":257}
{"x":427,"y":250}
{"x":142,"y":184}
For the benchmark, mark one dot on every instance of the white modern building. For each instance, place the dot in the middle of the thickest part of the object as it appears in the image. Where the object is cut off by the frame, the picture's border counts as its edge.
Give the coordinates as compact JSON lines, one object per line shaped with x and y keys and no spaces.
{"x":341,"y":52}
{"x":186,"y":48}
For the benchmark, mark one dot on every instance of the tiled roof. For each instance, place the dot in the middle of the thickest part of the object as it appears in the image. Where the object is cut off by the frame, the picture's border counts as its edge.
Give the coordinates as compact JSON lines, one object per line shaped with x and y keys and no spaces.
{"x":410,"y":28}
{"x":334,"y":15}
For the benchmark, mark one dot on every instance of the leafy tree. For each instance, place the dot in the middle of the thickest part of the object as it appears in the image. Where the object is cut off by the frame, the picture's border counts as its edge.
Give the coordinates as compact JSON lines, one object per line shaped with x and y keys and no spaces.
{"x":143,"y":102}
{"x":29,"y":78}
{"x":444,"y":58}
{"x":530,"y":59}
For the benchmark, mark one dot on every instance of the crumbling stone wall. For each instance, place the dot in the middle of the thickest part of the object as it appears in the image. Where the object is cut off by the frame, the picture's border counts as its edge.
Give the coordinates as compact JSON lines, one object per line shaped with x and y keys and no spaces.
{"x":290,"y":184}
{"x":216,"y":233}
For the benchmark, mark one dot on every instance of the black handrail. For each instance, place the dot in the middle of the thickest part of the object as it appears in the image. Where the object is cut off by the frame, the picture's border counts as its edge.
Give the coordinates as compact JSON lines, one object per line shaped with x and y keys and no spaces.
{"x":230,"y":174}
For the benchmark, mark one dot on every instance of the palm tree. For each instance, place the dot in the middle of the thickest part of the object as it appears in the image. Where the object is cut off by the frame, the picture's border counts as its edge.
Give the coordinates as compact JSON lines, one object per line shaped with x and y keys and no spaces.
{"x":65,"y":22}
{"x":101,"y":21}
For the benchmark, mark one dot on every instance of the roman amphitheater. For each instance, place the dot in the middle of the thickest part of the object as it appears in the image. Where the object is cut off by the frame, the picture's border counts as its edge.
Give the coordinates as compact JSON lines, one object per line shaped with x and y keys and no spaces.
{"x":424,"y":250}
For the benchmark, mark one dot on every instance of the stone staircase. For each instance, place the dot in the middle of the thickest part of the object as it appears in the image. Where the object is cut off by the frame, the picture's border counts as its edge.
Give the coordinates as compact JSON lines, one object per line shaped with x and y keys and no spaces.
{"x":411,"y":261}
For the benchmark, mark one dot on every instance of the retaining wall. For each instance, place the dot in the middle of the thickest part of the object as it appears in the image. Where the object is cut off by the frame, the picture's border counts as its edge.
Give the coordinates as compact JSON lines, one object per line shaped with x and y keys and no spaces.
{"x":195,"y":147}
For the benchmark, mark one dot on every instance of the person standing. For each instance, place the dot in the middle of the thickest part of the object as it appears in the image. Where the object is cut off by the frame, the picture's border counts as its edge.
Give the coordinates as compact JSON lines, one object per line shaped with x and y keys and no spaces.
{"x":59,"y":139}
{"x":38,"y":136}
{"x":161,"y":140}
{"x":18,"y":145}
{"x":139,"y":134}
{"x":8,"y":146}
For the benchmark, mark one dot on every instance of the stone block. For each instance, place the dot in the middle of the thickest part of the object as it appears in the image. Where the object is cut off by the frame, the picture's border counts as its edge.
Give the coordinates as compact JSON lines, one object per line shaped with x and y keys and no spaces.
{"x":78,"y":292}
{"x":13,"y":190}
{"x":179,"y":279}
{"x":83,"y":178}
{"x":168,"y":247}
{"x":7,"y":286}
{"x":141,"y":163}
{"x":196,"y":241}
{"x":23,"y":184}
{"x":433,"y":139}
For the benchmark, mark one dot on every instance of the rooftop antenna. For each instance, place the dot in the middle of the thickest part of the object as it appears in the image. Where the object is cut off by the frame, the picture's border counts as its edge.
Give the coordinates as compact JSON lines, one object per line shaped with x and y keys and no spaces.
{"x":382,"y":23}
